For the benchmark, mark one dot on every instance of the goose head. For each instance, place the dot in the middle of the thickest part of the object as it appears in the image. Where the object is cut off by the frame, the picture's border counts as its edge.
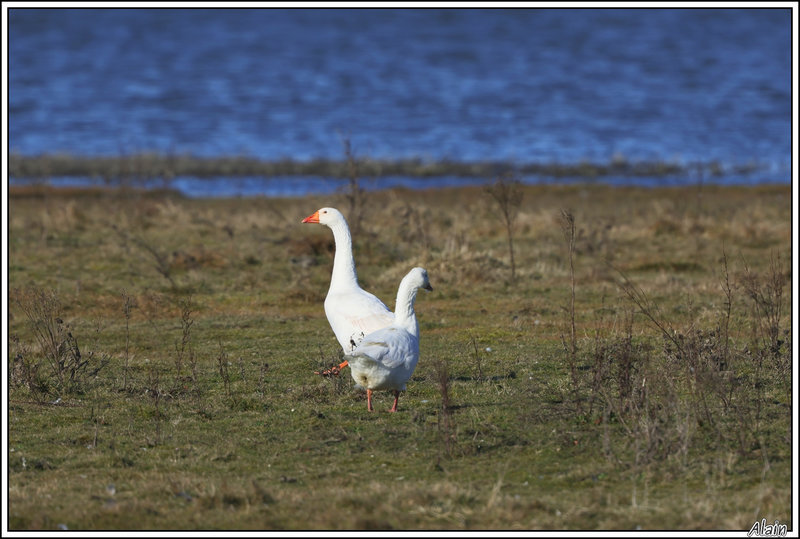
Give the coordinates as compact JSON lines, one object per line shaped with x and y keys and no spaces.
{"x":418,"y":277}
{"x":325,"y":216}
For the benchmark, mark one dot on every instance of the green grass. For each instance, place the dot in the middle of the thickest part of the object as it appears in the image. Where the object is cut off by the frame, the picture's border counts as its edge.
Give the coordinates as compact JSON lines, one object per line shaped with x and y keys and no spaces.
{"x":224,"y":425}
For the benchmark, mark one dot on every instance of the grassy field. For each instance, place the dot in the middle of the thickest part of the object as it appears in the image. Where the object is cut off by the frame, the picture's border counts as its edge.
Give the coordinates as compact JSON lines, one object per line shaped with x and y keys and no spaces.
{"x":634,"y":374}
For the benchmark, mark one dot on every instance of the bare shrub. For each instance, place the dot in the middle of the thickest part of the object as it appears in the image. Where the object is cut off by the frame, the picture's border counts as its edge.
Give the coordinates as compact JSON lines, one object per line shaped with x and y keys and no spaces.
{"x":699,"y":356}
{"x":183,"y":349}
{"x":770,"y":350}
{"x":507,"y":192}
{"x":646,"y":395}
{"x":687,"y":353}
{"x":615,"y":361}
{"x":721,"y":387}
{"x":658,"y":421}
{"x":23,"y":369}
{"x":69,"y":368}
{"x":766,"y":293}
{"x":329,"y":367}
{"x":160,"y":261}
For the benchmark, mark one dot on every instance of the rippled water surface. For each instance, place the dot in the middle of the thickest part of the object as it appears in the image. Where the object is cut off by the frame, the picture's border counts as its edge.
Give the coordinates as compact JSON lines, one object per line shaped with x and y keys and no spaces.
{"x":521,"y":85}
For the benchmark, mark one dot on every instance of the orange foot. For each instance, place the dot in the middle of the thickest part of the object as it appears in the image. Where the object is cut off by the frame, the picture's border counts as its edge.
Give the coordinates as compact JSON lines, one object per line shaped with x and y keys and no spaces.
{"x":369,"y":401}
{"x":333,"y":371}
{"x":396,"y":398}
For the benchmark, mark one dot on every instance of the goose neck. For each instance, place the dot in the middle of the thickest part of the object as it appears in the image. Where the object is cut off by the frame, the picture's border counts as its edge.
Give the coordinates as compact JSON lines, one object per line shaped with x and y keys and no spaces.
{"x":404,"y":314}
{"x":344,"y":265}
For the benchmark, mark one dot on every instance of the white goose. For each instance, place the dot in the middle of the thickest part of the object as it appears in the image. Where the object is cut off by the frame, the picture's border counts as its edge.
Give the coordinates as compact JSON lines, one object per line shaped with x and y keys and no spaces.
{"x":352,"y":311}
{"x":386,"y":359}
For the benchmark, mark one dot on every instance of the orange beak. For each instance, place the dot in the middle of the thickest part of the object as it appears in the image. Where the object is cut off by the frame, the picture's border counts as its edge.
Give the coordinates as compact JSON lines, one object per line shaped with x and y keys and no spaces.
{"x":313,"y":218}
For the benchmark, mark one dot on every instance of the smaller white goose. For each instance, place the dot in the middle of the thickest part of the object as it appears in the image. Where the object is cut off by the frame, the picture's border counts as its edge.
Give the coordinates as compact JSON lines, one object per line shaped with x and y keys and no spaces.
{"x":386,"y":359}
{"x":352,"y":312}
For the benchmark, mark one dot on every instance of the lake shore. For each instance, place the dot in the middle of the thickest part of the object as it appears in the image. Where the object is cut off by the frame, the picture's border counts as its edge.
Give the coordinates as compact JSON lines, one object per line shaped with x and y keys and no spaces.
{"x":156,"y":166}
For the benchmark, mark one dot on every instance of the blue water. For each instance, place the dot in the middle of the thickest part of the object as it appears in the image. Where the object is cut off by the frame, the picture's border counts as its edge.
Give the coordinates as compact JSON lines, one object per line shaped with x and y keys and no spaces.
{"x":520,"y":85}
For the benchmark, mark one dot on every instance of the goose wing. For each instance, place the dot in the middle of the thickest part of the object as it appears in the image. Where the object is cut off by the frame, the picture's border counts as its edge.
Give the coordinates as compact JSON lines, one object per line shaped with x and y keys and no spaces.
{"x":352,"y":315}
{"x":391,"y":348}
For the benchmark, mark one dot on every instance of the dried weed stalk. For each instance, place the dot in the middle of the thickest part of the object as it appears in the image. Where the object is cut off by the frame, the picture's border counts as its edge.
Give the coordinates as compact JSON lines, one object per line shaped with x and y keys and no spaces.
{"x":128,"y":304}
{"x":507,"y":192}
{"x":568,"y":229}
{"x":354,"y":194}
{"x":446,"y":426}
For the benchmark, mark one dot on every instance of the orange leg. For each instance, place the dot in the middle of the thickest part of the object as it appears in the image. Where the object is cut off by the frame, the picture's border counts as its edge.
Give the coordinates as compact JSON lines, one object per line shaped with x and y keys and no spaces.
{"x":369,"y":400}
{"x":396,"y":397}
{"x":333,"y":371}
